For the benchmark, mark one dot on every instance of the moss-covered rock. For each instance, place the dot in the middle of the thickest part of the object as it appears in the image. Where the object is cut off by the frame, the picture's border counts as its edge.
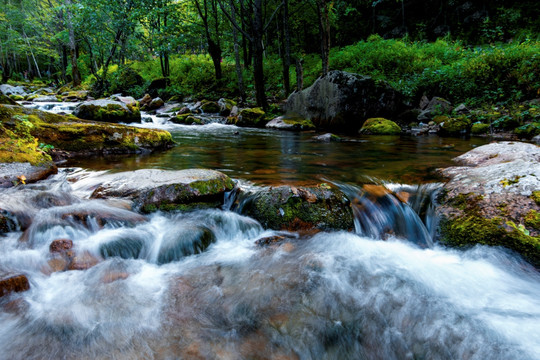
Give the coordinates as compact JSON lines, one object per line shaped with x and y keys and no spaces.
{"x":107,"y":111}
{"x":491,"y":200}
{"x":301,"y":208}
{"x":209,"y":107}
{"x":380,"y":126}
{"x":15,"y":97}
{"x":125,"y":80}
{"x":153,"y":190}
{"x":528,"y":131}
{"x":455,"y":126}
{"x":226,"y":106}
{"x":75,"y":95}
{"x":248,"y":118}
{"x":288,"y":122}
{"x":479,"y":128}
{"x":5,"y":100}
{"x":78,"y":136}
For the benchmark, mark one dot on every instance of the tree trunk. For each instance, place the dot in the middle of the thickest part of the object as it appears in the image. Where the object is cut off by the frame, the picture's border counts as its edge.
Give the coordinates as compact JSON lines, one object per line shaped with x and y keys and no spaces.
{"x":287,"y":49}
{"x":238,"y":66}
{"x":75,"y":74}
{"x":215,"y":53}
{"x":299,"y":74}
{"x":258,"y":50}
{"x":324,"y":30}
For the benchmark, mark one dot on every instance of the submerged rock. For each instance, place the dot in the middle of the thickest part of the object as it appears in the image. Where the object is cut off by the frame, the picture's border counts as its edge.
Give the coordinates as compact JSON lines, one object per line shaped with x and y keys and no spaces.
{"x":183,"y":241}
{"x":107,"y":111}
{"x":153,"y":190}
{"x":328,"y":137}
{"x":8,"y":222}
{"x":13,"y":283}
{"x":341,"y":101}
{"x":491,"y":199}
{"x":300,"y":208}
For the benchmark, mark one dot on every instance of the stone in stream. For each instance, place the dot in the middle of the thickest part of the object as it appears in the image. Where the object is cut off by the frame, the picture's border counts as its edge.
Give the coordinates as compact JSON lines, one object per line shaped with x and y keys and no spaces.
{"x":301,"y":208}
{"x":380,"y":126}
{"x":83,"y":261}
{"x":12,"y":174}
{"x":328,"y":137}
{"x":12,"y":283}
{"x":5,"y":100}
{"x":493,"y":199}
{"x":152,"y":189}
{"x":342,"y":101}
{"x":289,"y":122}
{"x":8,"y":222}
{"x":60,"y":245}
{"x":108,"y":111}
{"x":184,"y":240}
{"x":128,"y":246}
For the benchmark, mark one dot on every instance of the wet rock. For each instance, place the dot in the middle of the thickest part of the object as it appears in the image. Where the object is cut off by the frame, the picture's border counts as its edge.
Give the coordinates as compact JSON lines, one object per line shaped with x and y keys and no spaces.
{"x":11,"y":174}
{"x":57,"y":263}
{"x":155,"y":104}
{"x":83,"y":261}
{"x":455,"y":126}
{"x":536,"y":139}
{"x":248,"y":118}
{"x":490,"y":200}
{"x":209,"y":107}
{"x":342,"y":101}
{"x":184,"y":110}
{"x":153,"y":190}
{"x":45,"y":98}
{"x":8,"y":222}
{"x":380,"y":126}
{"x":300,"y":208}
{"x":328,"y":137}
{"x":12,"y":90}
{"x":128,"y":246}
{"x":145,"y":101}
{"x":107,"y":111}
{"x":288,"y":122}
{"x":13,"y":283}
{"x":60,"y":245}
{"x":479,"y":128}
{"x":5,"y":100}
{"x":128,"y":100}
{"x":270,"y":240}
{"x":184,"y":241}
{"x":226,"y":106}
{"x":79,"y":95}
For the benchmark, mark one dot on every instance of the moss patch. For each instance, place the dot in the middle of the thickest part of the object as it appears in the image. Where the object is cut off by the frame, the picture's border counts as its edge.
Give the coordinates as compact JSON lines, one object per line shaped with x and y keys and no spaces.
{"x":479,"y":128}
{"x":380,"y":126}
{"x":455,"y":126}
{"x":532,"y":219}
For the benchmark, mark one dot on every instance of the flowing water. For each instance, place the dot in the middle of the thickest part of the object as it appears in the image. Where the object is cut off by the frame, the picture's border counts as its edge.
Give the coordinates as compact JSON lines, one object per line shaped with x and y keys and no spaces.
{"x":384,"y":291}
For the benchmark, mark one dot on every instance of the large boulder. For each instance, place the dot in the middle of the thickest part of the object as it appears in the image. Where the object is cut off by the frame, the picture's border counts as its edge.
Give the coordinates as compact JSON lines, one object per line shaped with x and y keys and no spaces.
{"x":492,"y":199}
{"x":12,"y":90}
{"x":17,"y":173}
{"x":156,"y":85}
{"x":152,"y":189}
{"x":108,"y":111}
{"x":6,"y":100}
{"x":342,"y":101}
{"x":254,"y":117}
{"x":380,"y":126}
{"x":301,"y":208}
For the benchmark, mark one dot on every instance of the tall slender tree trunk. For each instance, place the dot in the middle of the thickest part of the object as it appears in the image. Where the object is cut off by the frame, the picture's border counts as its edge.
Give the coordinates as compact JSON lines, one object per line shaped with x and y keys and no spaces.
{"x":75,"y":73}
{"x":324,"y":30}
{"x":299,"y":74}
{"x":258,"y":50}
{"x":238,"y":66}
{"x":287,"y":49}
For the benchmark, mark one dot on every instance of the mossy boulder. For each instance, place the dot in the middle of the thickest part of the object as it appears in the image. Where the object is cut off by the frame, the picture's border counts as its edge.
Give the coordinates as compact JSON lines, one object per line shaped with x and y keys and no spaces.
{"x":153,"y":190}
{"x":209,"y":107}
{"x":157,"y":85}
{"x":490,"y":200}
{"x":78,"y":136}
{"x":254,"y":117}
{"x":75,"y":95}
{"x":6,"y":100}
{"x":301,"y":208}
{"x":15,"y":97}
{"x":479,"y":129}
{"x":290,"y":122}
{"x":226,"y":106}
{"x":528,"y":131}
{"x":455,"y":126}
{"x":186,"y":119}
{"x":107,"y":111}
{"x":380,"y":126}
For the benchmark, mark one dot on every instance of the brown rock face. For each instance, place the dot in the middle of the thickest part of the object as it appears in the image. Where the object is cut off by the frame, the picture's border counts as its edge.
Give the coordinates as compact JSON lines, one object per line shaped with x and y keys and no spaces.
{"x":13,"y":283}
{"x":60,"y":245}
{"x":83,"y":261}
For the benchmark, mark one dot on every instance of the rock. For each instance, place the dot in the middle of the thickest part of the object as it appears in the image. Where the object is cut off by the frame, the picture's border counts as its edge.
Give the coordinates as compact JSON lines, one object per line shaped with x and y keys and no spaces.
{"x":153,"y":190}
{"x":128,"y":100}
{"x":536,"y":139}
{"x":82,"y":137}
{"x":128,"y":246}
{"x":424,"y":102}
{"x":436,"y":106}
{"x":5,"y":100}
{"x":248,"y":118}
{"x":225,"y":106}
{"x":491,"y":199}
{"x":83,"y":261}
{"x":287,"y":122}
{"x":328,"y":137}
{"x":184,"y":110}
{"x":8,"y":222}
{"x":301,"y":208}
{"x":234,"y":111}
{"x":12,"y":90}
{"x":184,"y":241}
{"x":209,"y":107}
{"x":155,"y":104}
{"x":60,"y":245}
{"x":73,"y":96}
{"x":12,"y":173}
{"x":46,"y":98}
{"x":462,"y":109}
{"x":479,"y":128}
{"x":157,"y":85}
{"x":13,"y":283}
{"x":455,"y":126}
{"x":341,"y":101}
{"x":145,"y":101}
{"x":270,"y":240}
{"x":380,"y":126}
{"x":108,"y":111}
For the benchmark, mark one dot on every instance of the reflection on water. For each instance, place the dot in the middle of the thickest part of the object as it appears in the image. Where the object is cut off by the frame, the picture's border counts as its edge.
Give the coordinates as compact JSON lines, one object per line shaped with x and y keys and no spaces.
{"x":278,"y":157}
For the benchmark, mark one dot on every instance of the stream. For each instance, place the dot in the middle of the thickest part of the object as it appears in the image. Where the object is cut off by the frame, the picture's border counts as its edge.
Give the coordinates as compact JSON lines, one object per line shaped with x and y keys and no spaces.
{"x":330,"y":295}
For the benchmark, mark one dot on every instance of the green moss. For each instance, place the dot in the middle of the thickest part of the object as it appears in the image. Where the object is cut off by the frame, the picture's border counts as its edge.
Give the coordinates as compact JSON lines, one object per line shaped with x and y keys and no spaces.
{"x":455,"y":126}
{"x":4,"y":100}
{"x":532,"y":219}
{"x":509,"y":182}
{"x":528,"y":131}
{"x":251,"y":118}
{"x":472,"y":230}
{"x":536,"y":197}
{"x":16,"y":97}
{"x":380,"y":126}
{"x":479,"y":128}
{"x":209,"y":106}
{"x":440,"y":119}
{"x":300,"y":123}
